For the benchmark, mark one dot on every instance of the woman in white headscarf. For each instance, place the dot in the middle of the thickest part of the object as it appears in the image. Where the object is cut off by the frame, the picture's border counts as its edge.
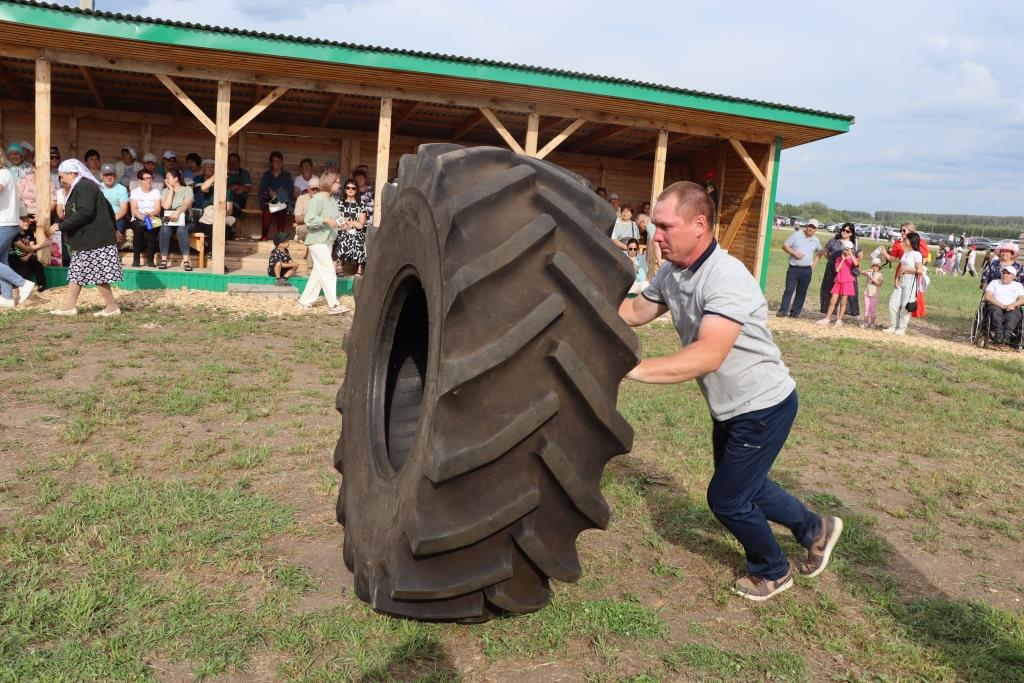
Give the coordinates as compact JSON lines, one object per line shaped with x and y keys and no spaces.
{"x":90,"y":229}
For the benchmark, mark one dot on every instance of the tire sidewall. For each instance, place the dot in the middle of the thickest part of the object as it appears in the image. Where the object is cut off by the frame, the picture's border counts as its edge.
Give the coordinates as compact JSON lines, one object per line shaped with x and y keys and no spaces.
{"x":379,"y":500}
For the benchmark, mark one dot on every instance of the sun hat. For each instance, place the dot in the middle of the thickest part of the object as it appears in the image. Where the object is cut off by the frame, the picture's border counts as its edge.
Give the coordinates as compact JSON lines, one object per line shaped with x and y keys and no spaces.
{"x":876,"y":262}
{"x":1009,"y":246}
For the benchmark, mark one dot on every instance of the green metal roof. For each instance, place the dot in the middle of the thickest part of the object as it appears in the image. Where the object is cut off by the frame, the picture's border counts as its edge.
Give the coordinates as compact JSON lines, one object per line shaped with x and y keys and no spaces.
{"x":48,"y":15}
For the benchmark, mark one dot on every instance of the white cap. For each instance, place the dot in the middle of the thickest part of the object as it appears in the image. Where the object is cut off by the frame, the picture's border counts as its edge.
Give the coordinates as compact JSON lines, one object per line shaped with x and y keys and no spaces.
{"x":209,"y":162}
{"x":28,"y":145}
{"x":814,"y":223}
{"x":169,"y":154}
{"x":149,"y":156}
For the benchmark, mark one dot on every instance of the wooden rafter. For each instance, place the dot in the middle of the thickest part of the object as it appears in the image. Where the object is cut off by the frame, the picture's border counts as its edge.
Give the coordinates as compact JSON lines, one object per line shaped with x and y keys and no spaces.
{"x":90,"y":80}
{"x":650,"y":147}
{"x":467,"y":124}
{"x":749,"y":161}
{"x":744,"y":208}
{"x":551,"y":122}
{"x":331,"y":107}
{"x":189,"y":104}
{"x":8,"y":81}
{"x":257,"y":109}
{"x":502,"y":130}
{"x":600,"y":136}
{"x":560,"y":138}
{"x":532,"y":134}
{"x":403,"y":114}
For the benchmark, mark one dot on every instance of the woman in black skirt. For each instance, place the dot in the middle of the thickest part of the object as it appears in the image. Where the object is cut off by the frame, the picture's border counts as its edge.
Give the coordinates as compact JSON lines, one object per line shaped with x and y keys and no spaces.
{"x":352,"y":231}
{"x":833,"y":250}
{"x":90,"y":230}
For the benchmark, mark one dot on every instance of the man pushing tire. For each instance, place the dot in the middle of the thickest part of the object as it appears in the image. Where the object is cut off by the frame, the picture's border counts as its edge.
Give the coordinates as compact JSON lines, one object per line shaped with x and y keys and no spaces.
{"x":721,"y":317}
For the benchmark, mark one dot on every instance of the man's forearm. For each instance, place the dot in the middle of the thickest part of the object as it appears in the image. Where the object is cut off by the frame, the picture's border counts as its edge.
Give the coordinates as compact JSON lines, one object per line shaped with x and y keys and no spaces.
{"x":694,"y":361}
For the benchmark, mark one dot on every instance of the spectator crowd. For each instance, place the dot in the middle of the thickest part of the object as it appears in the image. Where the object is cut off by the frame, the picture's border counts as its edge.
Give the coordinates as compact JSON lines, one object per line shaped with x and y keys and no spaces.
{"x":155,"y":201}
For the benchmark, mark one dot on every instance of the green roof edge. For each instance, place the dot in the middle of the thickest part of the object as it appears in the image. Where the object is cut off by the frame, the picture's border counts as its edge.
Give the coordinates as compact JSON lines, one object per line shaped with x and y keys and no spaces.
{"x":157,"y":31}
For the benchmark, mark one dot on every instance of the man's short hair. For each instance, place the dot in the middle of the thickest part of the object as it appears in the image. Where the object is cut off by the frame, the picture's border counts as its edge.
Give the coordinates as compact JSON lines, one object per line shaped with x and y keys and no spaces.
{"x":235,"y":154}
{"x":693,"y":200}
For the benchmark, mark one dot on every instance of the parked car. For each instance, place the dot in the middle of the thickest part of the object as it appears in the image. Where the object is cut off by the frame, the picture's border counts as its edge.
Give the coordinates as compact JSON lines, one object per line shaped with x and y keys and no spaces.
{"x":980,"y":243}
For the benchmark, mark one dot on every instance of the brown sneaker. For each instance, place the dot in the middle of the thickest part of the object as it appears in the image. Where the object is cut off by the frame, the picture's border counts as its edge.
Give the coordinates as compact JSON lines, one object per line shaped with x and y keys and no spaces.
{"x":760,"y":589}
{"x":820,"y":551}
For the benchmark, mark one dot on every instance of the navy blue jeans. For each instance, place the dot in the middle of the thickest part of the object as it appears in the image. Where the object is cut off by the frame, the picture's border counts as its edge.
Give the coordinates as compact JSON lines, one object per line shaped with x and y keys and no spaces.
{"x":798,"y":278}
{"x":742,"y":496}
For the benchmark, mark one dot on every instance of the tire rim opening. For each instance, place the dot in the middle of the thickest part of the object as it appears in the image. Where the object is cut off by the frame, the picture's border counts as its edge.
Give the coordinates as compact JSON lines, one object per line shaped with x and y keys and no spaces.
{"x":406,"y":371}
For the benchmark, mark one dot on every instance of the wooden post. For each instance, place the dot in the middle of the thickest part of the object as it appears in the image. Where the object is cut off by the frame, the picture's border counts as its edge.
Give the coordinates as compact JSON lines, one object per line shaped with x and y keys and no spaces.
{"x":764,"y":231}
{"x":723,"y":156}
{"x":220,"y":173}
{"x":72,"y":137}
{"x":532,"y":134}
{"x":147,"y":140}
{"x":345,"y":154}
{"x":243,"y":152}
{"x":383,"y":157}
{"x":657,"y":185}
{"x":42,"y":142}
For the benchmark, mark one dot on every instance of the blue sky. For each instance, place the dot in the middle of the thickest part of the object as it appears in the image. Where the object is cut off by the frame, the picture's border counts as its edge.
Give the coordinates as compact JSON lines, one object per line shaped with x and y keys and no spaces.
{"x":937,"y":88}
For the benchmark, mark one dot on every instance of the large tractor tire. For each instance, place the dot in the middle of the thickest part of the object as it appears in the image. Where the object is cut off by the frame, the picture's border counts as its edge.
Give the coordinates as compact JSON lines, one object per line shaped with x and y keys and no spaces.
{"x":479,"y":402}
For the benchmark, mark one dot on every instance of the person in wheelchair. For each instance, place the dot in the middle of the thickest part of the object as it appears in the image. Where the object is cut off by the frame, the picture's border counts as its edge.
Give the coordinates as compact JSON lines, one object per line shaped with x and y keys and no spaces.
{"x":1004,"y":297}
{"x":991,"y":271}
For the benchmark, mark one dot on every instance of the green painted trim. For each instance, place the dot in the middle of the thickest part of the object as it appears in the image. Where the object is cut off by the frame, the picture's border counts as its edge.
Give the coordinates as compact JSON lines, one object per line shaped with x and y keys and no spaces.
{"x":213,"y":39}
{"x":173,"y":279}
{"x":771,"y":215}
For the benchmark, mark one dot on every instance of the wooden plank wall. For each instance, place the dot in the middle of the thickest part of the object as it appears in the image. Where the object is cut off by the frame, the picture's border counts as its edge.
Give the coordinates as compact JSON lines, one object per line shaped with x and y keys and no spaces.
{"x":737,"y":179}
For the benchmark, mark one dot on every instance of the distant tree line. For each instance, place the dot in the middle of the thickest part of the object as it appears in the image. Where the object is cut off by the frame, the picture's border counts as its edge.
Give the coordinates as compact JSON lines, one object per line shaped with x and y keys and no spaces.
{"x":996,"y":227}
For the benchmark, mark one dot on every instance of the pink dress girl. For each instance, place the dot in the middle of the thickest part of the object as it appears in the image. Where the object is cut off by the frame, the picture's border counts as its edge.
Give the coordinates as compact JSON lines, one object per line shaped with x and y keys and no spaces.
{"x":844,"y":282}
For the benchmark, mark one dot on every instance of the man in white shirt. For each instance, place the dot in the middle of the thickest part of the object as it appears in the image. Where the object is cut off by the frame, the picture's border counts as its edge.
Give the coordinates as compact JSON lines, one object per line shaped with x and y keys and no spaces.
{"x":1005,"y":297}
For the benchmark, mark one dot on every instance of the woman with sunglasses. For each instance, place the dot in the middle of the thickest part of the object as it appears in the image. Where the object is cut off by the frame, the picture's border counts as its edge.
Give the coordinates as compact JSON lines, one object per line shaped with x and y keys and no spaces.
{"x":833,"y":250}
{"x":351,"y":243}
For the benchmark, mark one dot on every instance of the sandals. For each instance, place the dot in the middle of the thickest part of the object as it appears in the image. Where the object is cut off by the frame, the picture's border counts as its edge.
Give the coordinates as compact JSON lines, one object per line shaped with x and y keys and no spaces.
{"x":163,"y":264}
{"x":187,"y":266}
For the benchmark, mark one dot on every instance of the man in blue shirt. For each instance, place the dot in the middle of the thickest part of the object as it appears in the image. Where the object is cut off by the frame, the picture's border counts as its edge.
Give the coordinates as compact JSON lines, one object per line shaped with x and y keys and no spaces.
{"x":117,"y":195}
{"x":804,"y":250}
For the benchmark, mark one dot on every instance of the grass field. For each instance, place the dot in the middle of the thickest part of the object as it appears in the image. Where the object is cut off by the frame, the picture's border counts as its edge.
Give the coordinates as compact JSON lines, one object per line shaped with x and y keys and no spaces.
{"x":157,"y":523}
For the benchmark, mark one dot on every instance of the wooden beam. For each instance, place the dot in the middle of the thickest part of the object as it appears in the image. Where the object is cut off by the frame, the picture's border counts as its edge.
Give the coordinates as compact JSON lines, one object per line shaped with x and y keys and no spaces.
{"x":366,"y":88}
{"x":649,"y":147}
{"x":657,"y":185}
{"x":355,"y":151}
{"x":257,"y":109}
{"x":90,"y":80}
{"x":468,"y":124}
{"x":600,"y":136}
{"x":190,"y":105}
{"x":766,"y":199}
{"x":42,"y":143}
{"x":220,"y":173}
{"x":560,"y":138}
{"x":741,"y":212}
{"x":742,"y":151}
{"x":257,"y":94}
{"x":147,"y":139}
{"x":723,"y":155}
{"x":383,"y":157}
{"x":403,"y":114}
{"x":72,"y":137}
{"x":502,"y":130}
{"x":532,"y":133}
{"x":331,"y":107}
{"x":10,"y":84}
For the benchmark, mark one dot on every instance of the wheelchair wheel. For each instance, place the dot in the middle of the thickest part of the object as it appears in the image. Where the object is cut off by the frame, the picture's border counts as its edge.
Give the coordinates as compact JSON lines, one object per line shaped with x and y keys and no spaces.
{"x":979,"y":330}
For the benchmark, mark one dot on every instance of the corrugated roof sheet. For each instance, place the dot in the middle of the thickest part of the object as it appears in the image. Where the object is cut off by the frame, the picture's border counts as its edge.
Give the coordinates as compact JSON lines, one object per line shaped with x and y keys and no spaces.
{"x":428,"y":55}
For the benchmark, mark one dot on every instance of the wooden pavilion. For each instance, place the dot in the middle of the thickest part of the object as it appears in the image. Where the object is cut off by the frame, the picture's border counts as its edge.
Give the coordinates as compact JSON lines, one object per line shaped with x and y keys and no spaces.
{"x":83,"y":79}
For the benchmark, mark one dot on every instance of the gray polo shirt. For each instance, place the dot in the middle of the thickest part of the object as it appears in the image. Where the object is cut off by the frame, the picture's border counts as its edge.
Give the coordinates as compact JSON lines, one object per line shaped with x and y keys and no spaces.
{"x":802,"y":243}
{"x":753,"y":376}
